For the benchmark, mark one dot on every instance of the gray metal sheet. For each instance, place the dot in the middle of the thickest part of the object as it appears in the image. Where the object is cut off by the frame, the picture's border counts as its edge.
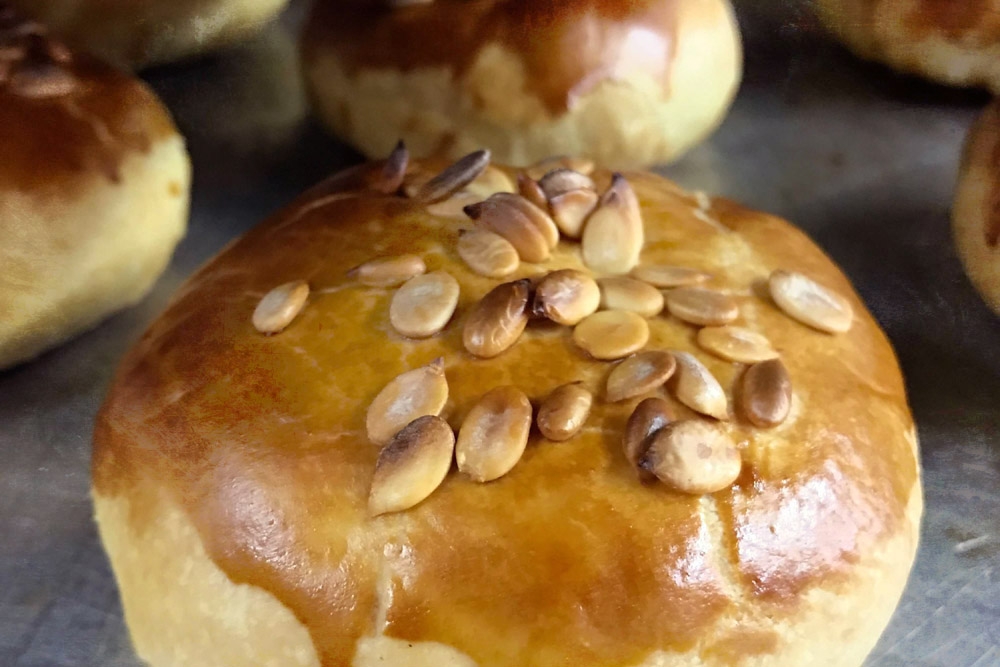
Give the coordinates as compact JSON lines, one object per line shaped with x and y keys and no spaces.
{"x":863,"y":159}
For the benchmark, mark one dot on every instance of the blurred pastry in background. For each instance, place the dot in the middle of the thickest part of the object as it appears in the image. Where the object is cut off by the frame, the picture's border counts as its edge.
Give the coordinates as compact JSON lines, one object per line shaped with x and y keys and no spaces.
{"x":94,"y":189}
{"x":976,"y":213}
{"x":136,"y":33}
{"x":955,"y":42}
{"x":625,"y":84}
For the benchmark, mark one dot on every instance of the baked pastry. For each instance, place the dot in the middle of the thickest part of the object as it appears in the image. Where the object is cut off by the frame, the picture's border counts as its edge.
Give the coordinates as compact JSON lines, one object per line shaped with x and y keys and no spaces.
{"x":955,"y":43}
{"x":976,"y":213}
{"x":136,"y":33}
{"x":273,"y":467}
{"x":625,"y":84}
{"x":94,"y":185}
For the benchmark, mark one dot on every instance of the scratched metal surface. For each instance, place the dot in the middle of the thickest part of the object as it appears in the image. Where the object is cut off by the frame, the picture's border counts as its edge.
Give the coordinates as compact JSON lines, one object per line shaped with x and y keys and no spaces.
{"x":862,"y":159}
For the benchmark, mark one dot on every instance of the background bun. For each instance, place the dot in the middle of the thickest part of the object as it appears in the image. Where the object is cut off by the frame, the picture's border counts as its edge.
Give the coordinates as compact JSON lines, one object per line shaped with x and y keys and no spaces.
{"x":626,"y":84}
{"x":976,"y":213}
{"x":136,"y":33}
{"x":951,"y":42}
{"x":250,"y":518}
{"x":94,"y":185}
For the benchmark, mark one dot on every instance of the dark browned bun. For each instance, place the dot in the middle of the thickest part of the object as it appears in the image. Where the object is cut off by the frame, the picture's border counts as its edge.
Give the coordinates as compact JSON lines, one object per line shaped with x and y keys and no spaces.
{"x":623,"y":83}
{"x":244,"y":505}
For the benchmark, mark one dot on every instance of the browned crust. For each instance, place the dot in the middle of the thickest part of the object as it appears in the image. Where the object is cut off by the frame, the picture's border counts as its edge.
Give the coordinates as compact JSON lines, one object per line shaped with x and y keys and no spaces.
{"x":982,"y":152}
{"x":951,"y":42}
{"x":568,"y":46}
{"x":567,"y":559}
{"x":972,"y":22}
{"x":51,"y":142}
{"x":976,"y":211}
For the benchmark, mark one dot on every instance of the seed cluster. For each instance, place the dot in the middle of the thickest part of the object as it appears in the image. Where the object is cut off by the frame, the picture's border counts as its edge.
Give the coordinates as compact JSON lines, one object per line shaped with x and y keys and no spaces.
{"x":32,"y":64}
{"x":607,"y":304}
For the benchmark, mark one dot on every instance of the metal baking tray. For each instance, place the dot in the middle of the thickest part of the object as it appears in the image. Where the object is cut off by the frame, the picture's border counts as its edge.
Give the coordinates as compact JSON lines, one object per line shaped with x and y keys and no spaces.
{"x":863,"y":159}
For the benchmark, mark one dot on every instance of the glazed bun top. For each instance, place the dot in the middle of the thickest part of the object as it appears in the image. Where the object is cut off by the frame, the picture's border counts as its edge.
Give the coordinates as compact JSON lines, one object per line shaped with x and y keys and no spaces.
{"x":65,"y":117}
{"x":567,"y":46}
{"x":264,"y":415}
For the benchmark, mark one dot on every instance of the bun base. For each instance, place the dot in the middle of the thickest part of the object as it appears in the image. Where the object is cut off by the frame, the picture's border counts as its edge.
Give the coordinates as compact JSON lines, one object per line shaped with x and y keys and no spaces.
{"x":172,"y":594}
{"x":109,"y":240}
